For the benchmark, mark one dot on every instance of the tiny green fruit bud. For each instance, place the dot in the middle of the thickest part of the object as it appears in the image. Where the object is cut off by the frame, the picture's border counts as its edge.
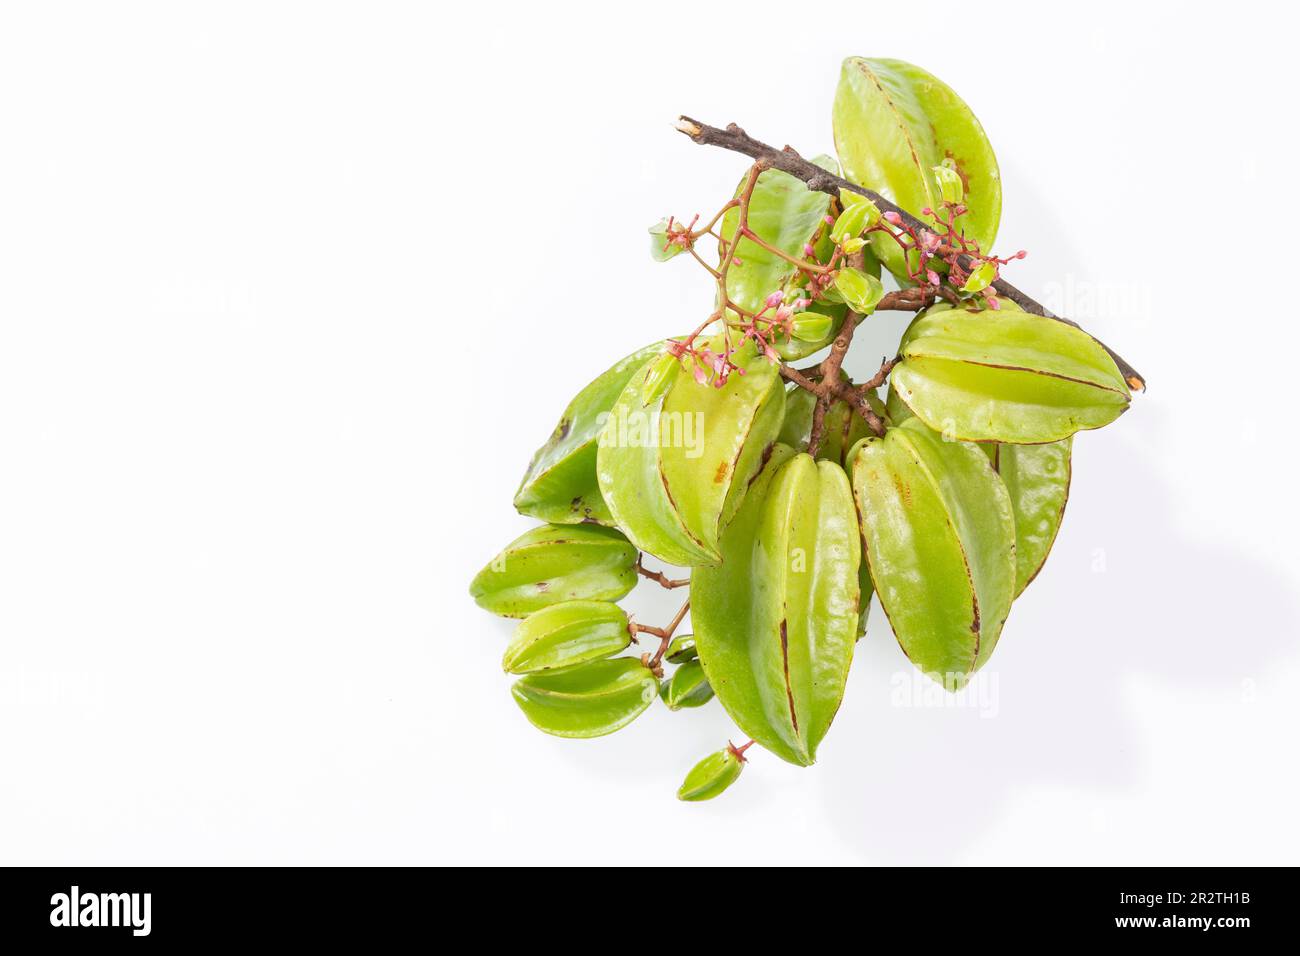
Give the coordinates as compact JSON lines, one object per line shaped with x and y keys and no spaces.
{"x":712,"y":775}
{"x":681,"y":650}
{"x":860,"y":290}
{"x":661,"y":247}
{"x":659,"y":375}
{"x":848,"y":199}
{"x":563,"y":635}
{"x":979,"y":279}
{"x":951,"y":188}
{"x":688,"y":687}
{"x":850,"y":246}
{"x":851,"y":222}
{"x":810,"y":326}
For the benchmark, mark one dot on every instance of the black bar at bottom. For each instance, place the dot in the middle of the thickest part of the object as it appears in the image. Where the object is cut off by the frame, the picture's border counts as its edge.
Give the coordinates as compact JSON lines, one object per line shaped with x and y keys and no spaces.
{"x":212,"y":905}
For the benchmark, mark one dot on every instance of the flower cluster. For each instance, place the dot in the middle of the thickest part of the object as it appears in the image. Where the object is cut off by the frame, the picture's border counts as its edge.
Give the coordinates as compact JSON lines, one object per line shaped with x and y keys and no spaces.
{"x":940,"y":260}
{"x":923,"y":249}
{"x":710,"y":366}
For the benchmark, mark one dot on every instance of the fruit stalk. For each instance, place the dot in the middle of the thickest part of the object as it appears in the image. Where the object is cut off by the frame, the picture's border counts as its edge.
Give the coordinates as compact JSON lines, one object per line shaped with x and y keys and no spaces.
{"x":665,"y":635}
{"x":663,"y":580}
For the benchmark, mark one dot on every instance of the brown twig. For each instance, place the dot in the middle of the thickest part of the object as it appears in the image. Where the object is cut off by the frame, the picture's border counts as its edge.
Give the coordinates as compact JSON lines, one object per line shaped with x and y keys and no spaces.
{"x":830,"y":371}
{"x":855,"y":395}
{"x":659,"y":577}
{"x":798,"y":377}
{"x":907,"y":300}
{"x":665,"y":635}
{"x":877,"y":380}
{"x":814,"y":177}
{"x":830,"y":385}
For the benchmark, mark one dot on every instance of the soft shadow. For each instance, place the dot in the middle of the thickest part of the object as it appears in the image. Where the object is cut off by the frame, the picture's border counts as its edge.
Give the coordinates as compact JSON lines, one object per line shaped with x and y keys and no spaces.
{"x":1126,"y":590}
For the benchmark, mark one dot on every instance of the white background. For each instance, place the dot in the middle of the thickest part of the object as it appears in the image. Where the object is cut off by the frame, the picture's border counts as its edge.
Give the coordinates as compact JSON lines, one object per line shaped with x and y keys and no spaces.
{"x":290,"y":293}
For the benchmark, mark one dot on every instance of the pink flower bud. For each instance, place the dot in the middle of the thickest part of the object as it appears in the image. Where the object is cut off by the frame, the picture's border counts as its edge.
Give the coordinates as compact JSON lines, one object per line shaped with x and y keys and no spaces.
{"x":774,"y":299}
{"x":700,"y":377}
{"x":808,"y":250}
{"x":800,"y":304}
{"x":932,"y":276}
{"x":1021,"y":254}
{"x":829,"y":220}
{"x":893,"y":218}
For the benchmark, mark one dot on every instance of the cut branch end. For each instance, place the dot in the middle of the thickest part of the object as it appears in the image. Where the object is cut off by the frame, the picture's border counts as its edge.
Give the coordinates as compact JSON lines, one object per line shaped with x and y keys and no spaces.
{"x":684,"y":124}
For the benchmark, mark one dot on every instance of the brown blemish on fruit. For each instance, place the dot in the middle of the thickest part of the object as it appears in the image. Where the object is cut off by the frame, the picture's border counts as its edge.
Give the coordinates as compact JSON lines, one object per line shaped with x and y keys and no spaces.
{"x":960,"y":170}
{"x":767,"y":456}
{"x":904,"y":490}
{"x":663,"y":480}
{"x":543,"y":585}
{"x":785,"y":663}
{"x":720,"y":475}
